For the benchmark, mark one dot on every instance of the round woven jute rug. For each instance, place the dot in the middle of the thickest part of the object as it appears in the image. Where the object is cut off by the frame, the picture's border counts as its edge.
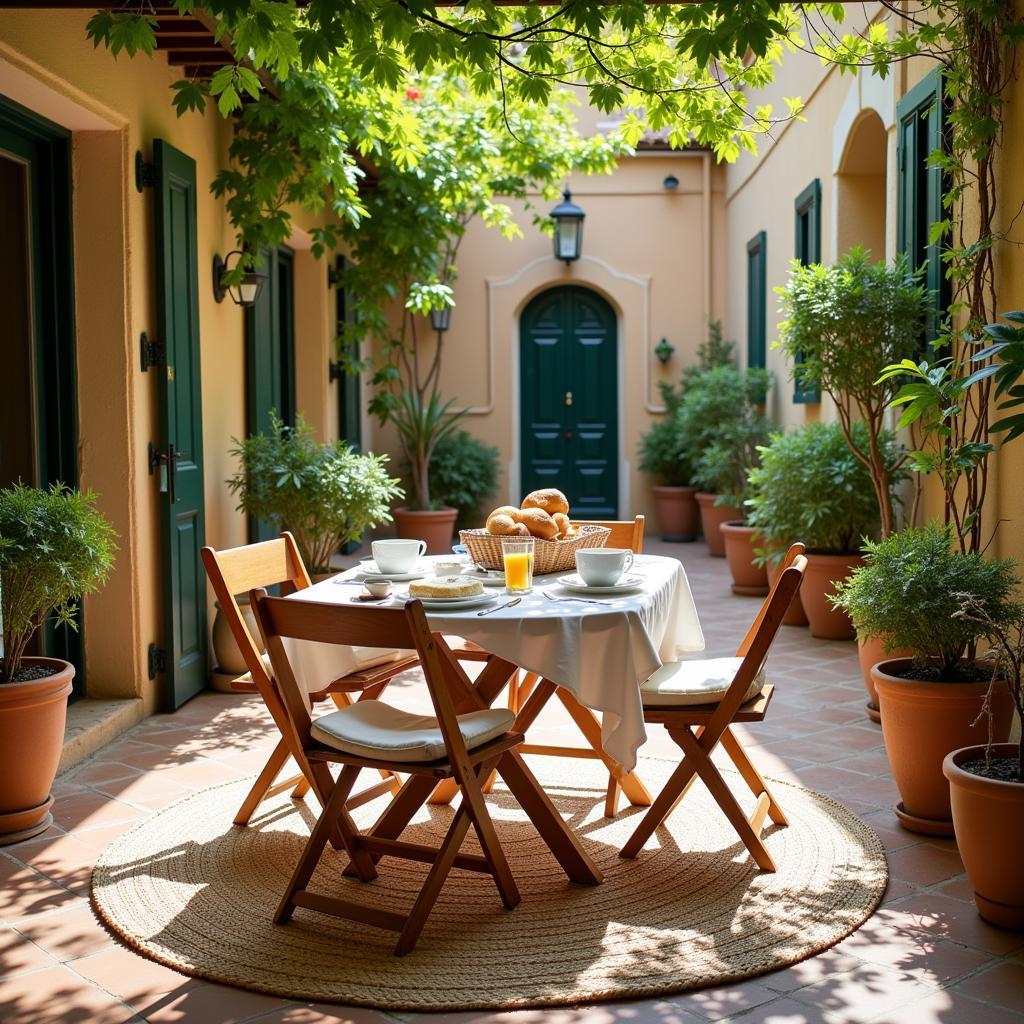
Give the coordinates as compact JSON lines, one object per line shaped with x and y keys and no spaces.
{"x":190,"y":890}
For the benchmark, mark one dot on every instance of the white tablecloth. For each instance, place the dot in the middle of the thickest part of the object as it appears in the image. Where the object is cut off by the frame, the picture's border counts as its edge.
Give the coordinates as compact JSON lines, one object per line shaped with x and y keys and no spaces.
{"x":600,"y":653}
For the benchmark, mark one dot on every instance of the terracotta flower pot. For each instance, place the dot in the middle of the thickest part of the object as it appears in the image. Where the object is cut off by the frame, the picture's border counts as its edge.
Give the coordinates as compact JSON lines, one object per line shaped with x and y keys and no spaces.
{"x":31,"y":737}
{"x":987,"y":816}
{"x":822,"y":570}
{"x":711,"y":518}
{"x":676,"y":510}
{"x":922,"y":722}
{"x":870,"y":652}
{"x":795,"y":614}
{"x":436,"y":527}
{"x":748,"y":579}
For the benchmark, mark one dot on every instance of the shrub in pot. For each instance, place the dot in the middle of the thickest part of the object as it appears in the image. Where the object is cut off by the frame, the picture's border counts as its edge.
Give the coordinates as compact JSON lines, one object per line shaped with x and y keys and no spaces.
{"x":910,"y":591}
{"x":810,"y":487}
{"x":986,"y":784}
{"x":324,"y":493}
{"x":717,"y":403}
{"x":55,"y":547}
{"x":464,"y":476}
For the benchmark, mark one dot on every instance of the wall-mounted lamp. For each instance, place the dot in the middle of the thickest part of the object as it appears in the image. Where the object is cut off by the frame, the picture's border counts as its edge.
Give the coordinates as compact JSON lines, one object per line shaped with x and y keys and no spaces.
{"x":663,"y":350}
{"x":568,"y":218}
{"x":671,"y":182}
{"x":247,"y":291}
{"x":440,"y":318}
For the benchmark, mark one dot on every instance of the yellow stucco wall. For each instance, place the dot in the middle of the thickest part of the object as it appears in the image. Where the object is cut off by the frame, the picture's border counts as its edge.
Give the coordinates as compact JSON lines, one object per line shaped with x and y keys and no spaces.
{"x":115,"y":108}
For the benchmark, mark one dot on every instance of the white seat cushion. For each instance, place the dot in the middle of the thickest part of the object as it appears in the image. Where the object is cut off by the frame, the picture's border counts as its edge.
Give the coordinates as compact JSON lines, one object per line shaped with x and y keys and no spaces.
{"x":702,"y":681}
{"x":373,"y":729}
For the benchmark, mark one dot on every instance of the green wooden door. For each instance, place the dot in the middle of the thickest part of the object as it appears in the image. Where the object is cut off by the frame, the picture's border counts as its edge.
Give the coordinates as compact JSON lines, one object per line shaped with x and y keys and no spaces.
{"x":569,"y":399}
{"x":181,"y":427}
{"x":349,"y":384}
{"x":39,"y":416}
{"x":270,"y":357}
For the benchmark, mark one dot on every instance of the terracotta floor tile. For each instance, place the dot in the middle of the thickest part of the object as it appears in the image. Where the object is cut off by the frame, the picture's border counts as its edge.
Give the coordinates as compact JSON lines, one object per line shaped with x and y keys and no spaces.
{"x":90,"y":809}
{"x":321,"y":1013}
{"x":924,"y":865}
{"x":863,"y":994}
{"x":950,"y":1007}
{"x":203,"y":1003}
{"x":782,"y":1011}
{"x":811,"y":971}
{"x":1002,"y":984}
{"x":58,"y":996}
{"x":937,"y":914}
{"x":19,"y":954}
{"x":133,"y":979}
{"x":150,"y":791}
{"x":63,"y":859}
{"x":94,"y":772}
{"x":727,"y":1001}
{"x":67,"y":934}
{"x":25,"y":891}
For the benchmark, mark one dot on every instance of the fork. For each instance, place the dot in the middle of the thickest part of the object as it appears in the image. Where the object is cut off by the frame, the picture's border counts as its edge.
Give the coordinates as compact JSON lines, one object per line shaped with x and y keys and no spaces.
{"x":582,"y":600}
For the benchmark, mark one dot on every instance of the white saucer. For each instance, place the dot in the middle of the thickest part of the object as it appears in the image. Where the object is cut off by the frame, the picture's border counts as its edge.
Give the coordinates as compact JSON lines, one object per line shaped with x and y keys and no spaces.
{"x":626,"y":585}
{"x":496,"y":579}
{"x":365,"y":569}
{"x":454,"y":604}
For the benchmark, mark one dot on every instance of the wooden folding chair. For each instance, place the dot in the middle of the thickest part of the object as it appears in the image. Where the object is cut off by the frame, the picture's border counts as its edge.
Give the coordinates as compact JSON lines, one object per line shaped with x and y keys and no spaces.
{"x":681,"y":696}
{"x":278,"y":562}
{"x":372,"y":734}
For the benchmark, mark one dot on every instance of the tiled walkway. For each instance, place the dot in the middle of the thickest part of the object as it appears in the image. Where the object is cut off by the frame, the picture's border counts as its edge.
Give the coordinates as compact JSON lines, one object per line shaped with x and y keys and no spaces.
{"x":924,"y":957}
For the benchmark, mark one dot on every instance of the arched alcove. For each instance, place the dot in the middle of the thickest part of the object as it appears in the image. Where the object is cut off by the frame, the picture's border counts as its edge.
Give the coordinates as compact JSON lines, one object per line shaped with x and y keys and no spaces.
{"x":861,"y":188}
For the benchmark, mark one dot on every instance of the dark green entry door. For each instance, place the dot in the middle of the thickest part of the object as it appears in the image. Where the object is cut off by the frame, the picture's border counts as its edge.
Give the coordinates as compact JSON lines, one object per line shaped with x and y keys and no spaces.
{"x":39,"y":413}
{"x":270,"y":359}
{"x":181,"y":427}
{"x":569,"y":399}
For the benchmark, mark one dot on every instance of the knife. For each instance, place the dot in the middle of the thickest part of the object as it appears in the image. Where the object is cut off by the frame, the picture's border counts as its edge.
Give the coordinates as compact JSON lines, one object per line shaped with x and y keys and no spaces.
{"x":507,"y":604}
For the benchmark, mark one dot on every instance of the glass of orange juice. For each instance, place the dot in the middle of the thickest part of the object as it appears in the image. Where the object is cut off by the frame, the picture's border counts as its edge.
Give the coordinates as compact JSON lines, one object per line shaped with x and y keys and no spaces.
{"x":517,"y":554}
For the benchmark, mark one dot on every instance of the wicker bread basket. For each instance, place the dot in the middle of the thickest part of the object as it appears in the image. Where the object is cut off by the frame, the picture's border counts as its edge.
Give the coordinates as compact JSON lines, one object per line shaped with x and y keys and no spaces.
{"x":548,"y":555}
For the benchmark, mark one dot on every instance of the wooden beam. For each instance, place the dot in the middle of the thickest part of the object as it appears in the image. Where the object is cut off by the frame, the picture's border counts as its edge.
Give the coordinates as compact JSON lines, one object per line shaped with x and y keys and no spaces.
{"x":175,"y":41}
{"x":216,"y":56}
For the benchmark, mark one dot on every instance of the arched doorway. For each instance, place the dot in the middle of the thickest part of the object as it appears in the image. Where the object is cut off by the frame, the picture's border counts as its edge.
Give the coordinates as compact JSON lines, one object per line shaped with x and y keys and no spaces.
{"x":860,"y":187}
{"x":569,"y":399}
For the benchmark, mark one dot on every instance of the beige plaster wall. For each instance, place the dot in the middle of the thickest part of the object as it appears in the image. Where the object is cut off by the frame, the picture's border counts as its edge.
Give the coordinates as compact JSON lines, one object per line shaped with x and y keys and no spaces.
{"x":115,"y":108}
{"x":654,"y":254}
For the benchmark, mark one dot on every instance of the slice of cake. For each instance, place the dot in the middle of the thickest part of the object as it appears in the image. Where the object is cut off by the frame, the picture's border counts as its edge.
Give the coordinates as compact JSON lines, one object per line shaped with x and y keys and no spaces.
{"x":447,"y":586}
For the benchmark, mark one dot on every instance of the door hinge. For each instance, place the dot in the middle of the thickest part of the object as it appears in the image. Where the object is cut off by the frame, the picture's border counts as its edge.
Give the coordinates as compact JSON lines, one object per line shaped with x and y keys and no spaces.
{"x":151,"y":351}
{"x":145,"y":173}
{"x":156,"y":658}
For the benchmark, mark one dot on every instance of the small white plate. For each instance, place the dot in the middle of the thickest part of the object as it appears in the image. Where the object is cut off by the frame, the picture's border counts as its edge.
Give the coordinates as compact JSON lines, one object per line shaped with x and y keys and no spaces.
{"x":574,"y":584}
{"x":454,"y":604}
{"x":495,"y":579}
{"x":365,"y":569}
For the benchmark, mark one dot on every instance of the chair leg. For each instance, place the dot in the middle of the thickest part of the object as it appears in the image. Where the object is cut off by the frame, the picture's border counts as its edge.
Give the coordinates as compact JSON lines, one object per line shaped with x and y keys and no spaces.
{"x":751,"y":776}
{"x":301,"y":788}
{"x":611,"y":798}
{"x":473,"y":801}
{"x":333,"y":816}
{"x":264,"y":781}
{"x":677,"y":786}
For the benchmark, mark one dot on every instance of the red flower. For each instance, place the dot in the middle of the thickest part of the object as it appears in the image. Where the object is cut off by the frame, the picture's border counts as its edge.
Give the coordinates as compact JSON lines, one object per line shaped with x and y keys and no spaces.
{"x":413,"y":94}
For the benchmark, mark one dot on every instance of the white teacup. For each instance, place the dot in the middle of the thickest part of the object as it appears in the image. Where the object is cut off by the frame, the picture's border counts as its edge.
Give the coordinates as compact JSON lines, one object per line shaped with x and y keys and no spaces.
{"x":603,"y":567}
{"x":377,"y":586}
{"x":397,"y":556}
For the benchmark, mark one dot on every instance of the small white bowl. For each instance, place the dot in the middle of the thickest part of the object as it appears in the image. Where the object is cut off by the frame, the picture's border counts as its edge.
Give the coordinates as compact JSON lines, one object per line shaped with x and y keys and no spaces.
{"x":377,"y":586}
{"x":448,"y":568}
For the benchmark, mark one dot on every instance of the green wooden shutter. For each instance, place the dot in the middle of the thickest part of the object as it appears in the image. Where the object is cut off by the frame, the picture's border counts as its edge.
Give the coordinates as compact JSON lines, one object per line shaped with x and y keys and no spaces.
{"x":349,"y":384}
{"x":807,"y":249}
{"x":756,"y":297}
{"x":920,"y":120}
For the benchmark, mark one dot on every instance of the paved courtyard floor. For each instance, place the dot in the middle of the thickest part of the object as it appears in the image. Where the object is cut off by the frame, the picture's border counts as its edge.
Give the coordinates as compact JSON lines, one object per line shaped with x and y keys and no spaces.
{"x":925,"y":957}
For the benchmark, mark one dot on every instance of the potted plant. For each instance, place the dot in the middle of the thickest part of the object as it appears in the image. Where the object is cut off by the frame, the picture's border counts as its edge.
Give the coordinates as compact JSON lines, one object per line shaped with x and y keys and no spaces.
{"x":910,"y":591}
{"x":55,"y":547}
{"x":715,"y":402}
{"x":812,"y":488}
{"x":986,"y":783}
{"x":464,"y":476}
{"x":661,"y":449}
{"x":842,"y":325}
{"x":324,"y":493}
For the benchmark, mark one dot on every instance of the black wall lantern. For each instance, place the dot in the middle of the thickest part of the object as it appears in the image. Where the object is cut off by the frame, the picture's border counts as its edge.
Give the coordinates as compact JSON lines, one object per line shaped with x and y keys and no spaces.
{"x":440,"y":318}
{"x":663,"y":350}
{"x":247,"y":291}
{"x":568,"y":218}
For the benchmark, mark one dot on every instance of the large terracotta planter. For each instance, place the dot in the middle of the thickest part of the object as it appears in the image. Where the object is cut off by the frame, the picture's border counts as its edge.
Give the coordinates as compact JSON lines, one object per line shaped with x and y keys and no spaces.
{"x":748,"y":579}
{"x":988,"y":816}
{"x":870,"y":652}
{"x":677,"y":514}
{"x":826,"y":622}
{"x":31,"y":737}
{"x":795,"y":614}
{"x":711,"y":518}
{"x":921,"y":723}
{"x":436,"y":527}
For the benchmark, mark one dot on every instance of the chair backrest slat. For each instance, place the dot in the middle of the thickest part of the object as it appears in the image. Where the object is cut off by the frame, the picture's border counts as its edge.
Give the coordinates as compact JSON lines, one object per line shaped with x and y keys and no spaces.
{"x":626,"y":533}
{"x":794,"y":552}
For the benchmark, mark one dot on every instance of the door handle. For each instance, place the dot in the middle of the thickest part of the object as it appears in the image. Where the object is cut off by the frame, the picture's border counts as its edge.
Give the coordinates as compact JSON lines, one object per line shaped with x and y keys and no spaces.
{"x":168,"y":464}
{"x":568,"y":435}
{"x":568,"y":398}
{"x":172,"y":473}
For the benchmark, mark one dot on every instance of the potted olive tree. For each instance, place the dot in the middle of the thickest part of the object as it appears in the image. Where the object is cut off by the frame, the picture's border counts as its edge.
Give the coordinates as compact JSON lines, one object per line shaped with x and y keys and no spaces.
{"x":910,"y":591}
{"x":717,"y":402}
{"x":55,"y":547}
{"x":324,"y":493}
{"x":810,"y":487}
{"x":986,"y":782}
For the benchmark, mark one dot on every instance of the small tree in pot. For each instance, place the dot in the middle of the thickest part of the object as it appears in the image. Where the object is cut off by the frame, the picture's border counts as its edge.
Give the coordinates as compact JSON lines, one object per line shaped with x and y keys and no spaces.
{"x":55,"y":547}
{"x":986,"y":783}
{"x":910,"y":591}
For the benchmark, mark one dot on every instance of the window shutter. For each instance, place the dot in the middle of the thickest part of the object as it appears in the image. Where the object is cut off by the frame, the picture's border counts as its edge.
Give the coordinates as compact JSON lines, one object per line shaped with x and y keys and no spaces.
{"x":756,"y":295}
{"x":807,"y":249}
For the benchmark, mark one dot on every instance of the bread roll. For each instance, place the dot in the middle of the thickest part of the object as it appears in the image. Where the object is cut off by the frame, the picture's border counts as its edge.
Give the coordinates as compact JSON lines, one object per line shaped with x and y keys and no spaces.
{"x":501,"y":525}
{"x":539,"y":523}
{"x":550,"y":499}
{"x":505,"y":510}
{"x":521,"y":530}
{"x":563,"y":524}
